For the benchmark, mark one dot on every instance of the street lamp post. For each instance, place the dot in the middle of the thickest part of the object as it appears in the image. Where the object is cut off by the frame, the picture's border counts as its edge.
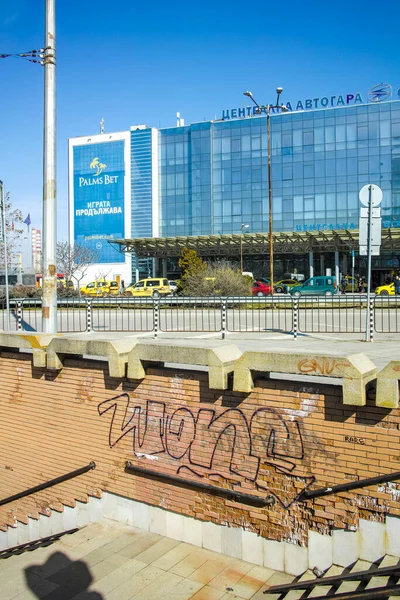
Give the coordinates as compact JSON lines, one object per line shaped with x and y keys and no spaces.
{"x":267,"y":109}
{"x":243,"y":226}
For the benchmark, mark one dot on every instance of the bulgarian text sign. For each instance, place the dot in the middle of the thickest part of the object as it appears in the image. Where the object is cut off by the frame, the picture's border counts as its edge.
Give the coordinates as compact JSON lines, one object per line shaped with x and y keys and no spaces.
{"x":377,"y":93}
{"x":99,"y":198}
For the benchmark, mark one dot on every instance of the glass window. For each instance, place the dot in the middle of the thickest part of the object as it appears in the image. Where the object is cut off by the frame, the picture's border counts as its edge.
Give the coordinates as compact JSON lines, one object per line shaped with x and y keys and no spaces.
{"x":287,"y":172}
{"x":308,"y":137}
{"x":309,"y":170}
{"x":236,"y":145}
{"x":297,"y":137}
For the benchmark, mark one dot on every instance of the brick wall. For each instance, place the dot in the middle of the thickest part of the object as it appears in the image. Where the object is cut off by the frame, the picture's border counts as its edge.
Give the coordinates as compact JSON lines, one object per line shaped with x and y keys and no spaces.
{"x":277,"y":440}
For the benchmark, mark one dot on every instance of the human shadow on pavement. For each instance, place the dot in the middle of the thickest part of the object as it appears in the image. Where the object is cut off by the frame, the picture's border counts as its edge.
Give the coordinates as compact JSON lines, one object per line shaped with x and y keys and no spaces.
{"x":60,"y":578}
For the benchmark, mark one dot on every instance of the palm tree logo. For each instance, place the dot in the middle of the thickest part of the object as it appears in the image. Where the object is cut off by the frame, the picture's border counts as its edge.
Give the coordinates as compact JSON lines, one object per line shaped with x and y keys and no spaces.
{"x":96,"y":164}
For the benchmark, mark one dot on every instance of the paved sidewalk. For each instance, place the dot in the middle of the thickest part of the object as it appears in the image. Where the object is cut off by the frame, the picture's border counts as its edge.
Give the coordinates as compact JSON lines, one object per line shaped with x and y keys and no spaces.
{"x":111,"y":561}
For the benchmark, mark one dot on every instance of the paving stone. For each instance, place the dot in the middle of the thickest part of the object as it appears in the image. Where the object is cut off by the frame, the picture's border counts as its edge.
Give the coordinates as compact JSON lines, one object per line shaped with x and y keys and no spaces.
{"x":172,"y":557}
{"x":209,"y":593}
{"x":209,"y":570}
{"x":190,"y":563}
{"x":141,"y":543}
{"x":158,"y":588}
{"x":230,"y":576}
{"x":183,"y":591}
{"x":135,"y":584}
{"x":157,"y":549}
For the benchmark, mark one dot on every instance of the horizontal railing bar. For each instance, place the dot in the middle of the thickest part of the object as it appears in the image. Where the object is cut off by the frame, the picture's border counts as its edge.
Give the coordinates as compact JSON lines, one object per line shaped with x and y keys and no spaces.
{"x":203,"y":487}
{"x":334,"y":579}
{"x":50,"y":483}
{"x":36,"y":543}
{"x":352,"y":485}
{"x":369,"y":594}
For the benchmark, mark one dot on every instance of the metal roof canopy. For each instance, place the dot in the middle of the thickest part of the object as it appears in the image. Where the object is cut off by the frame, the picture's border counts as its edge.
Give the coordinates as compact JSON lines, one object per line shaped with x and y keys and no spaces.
{"x":224,"y":245}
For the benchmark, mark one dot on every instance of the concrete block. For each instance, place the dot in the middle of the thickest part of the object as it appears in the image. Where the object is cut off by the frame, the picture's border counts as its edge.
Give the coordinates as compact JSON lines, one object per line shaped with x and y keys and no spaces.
{"x":219,"y":360}
{"x":174,"y":526}
{"x":355,"y":370}
{"x":56,"y":522}
{"x":274,"y":555}
{"x":372,"y":540}
{"x":231,"y":541}
{"x":116,"y":351}
{"x":346,"y":547}
{"x":157,"y":520}
{"x":296,"y":559}
{"x":141,"y":515}
{"x":211,"y":536}
{"x":39,"y":358}
{"x":252,"y":548}
{"x":3,"y":540}
{"x":387,"y":385}
{"x":44,"y":526}
{"x":110,"y":506}
{"x":393,"y":536}
{"x":25,"y":340}
{"x":70,"y":518}
{"x":23,"y":533}
{"x":34,"y":529}
{"x":320,"y":551}
{"x":12,"y":537}
{"x":125,"y":512}
{"x":192,"y":531}
{"x":95,"y":509}
{"x":83,"y":514}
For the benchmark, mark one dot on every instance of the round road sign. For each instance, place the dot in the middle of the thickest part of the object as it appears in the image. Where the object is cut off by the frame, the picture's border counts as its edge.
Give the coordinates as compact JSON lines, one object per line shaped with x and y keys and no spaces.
{"x":376,"y":193}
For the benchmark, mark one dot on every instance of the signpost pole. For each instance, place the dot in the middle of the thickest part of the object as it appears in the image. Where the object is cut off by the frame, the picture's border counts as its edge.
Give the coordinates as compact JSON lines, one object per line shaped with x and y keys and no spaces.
{"x":4,"y":236}
{"x":352,"y":268}
{"x":49,"y":299}
{"x":367,"y":327}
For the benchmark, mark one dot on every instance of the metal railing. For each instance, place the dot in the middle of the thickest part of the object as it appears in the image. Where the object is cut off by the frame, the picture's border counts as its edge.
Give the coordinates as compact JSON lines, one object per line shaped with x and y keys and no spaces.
{"x":280,"y":313}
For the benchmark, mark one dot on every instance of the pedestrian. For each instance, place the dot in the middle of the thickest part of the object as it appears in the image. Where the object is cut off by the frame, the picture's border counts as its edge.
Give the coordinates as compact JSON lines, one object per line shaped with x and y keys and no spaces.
{"x":360,"y":285}
{"x":344,"y":284}
{"x":397,"y":284}
{"x":122,"y":287}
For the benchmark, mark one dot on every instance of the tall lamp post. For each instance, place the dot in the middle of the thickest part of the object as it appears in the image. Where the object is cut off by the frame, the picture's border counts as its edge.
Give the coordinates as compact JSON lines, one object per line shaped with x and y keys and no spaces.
{"x":242,"y":227}
{"x":267,"y":108}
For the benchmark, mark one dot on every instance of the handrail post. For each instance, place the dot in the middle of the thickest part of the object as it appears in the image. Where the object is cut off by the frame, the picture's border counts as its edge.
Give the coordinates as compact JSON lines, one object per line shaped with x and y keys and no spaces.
{"x":19,"y":315}
{"x":295,"y":317}
{"x":156,"y":314}
{"x":223,"y":317}
{"x":88,"y":315}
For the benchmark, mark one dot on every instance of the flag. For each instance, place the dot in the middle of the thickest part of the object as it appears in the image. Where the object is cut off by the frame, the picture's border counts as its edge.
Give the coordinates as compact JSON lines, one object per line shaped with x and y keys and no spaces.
{"x":28,"y":220}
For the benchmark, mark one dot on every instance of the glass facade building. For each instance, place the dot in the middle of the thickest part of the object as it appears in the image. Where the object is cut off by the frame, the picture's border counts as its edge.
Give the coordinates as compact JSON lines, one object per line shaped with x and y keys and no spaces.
{"x":213,"y":175}
{"x":209,"y":178}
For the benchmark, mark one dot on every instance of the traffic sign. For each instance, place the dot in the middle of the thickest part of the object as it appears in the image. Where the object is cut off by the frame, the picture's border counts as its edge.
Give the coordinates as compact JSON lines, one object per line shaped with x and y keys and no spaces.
{"x":376,"y":194}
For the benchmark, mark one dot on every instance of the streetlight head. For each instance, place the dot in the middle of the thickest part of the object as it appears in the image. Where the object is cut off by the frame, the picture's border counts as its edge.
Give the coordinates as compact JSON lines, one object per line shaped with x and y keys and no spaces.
{"x":284,"y":108}
{"x":279,"y":90}
{"x":249,"y":94}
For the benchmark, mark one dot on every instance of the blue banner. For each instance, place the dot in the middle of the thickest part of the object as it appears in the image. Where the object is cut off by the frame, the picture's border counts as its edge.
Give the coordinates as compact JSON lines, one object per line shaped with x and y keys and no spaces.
{"x":99,"y":198}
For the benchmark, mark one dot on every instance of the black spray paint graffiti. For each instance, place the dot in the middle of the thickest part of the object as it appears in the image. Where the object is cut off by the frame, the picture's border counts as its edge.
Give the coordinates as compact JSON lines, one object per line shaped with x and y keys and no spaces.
{"x":228,"y":444}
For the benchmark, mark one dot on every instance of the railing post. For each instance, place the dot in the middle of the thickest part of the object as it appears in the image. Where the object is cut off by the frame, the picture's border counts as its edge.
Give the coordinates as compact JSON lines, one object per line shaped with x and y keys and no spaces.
{"x":88,"y":316}
{"x":223,"y":318}
{"x":371,"y":322}
{"x":295,"y":317}
{"x":19,"y":315}
{"x":156,"y":316}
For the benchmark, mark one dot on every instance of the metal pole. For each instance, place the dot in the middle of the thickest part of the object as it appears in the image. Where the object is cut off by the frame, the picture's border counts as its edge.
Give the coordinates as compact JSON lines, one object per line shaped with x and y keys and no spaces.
{"x":271,"y":243}
{"x":49,"y":301}
{"x":352,"y":269}
{"x":4,"y":227}
{"x":241,"y":251}
{"x":367,"y":322}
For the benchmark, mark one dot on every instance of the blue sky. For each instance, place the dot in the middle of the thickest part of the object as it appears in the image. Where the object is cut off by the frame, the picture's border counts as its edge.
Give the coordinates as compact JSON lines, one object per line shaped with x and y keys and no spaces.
{"x":141,"y":62}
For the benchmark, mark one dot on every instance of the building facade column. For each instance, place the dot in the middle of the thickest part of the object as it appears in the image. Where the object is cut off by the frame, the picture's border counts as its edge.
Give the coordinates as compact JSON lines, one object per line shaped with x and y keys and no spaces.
{"x":322,"y":264}
{"x":337,"y":266}
{"x":311,"y":263}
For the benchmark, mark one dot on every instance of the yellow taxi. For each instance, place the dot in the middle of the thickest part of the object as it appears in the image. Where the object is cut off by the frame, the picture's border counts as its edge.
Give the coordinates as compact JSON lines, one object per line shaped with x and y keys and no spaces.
{"x":153,"y":287}
{"x":100,"y":288}
{"x":385,"y":290}
{"x":285,"y":285}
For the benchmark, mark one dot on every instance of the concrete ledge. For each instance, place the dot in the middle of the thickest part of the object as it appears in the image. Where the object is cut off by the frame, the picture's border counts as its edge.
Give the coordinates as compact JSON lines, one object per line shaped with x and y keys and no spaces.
{"x":387,"y":385}
{"x":355,"y":370}
{"x":220,"y":360}
{"x":37,"y":343}
{"x":117,"y":352}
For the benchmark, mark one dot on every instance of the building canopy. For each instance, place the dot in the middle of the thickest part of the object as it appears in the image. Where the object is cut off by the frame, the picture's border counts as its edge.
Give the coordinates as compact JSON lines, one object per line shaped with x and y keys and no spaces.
{"x":225,"y":245}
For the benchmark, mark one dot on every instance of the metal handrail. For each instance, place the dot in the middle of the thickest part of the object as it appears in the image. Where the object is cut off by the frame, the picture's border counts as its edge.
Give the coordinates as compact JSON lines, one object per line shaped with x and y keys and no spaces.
{"x":50,"y":483}
{"x":202,"y":487}
{"x":352,"y":485}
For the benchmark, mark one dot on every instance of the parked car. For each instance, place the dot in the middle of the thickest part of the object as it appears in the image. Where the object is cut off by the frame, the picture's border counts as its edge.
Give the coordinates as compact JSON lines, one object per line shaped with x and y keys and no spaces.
{"x":316,"y":286}
{"x":99,"y":288}
{"x":285,"y":285}
{"x":154,"y":287}
{"x":174,"y":286}
{"x":386,"y":290}
{"x":261,"y":289}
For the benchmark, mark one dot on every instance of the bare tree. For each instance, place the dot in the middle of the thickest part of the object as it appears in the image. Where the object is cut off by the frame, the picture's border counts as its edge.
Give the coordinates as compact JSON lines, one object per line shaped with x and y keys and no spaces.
{"x":14,"y":228}
{"x":74,"y":260}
